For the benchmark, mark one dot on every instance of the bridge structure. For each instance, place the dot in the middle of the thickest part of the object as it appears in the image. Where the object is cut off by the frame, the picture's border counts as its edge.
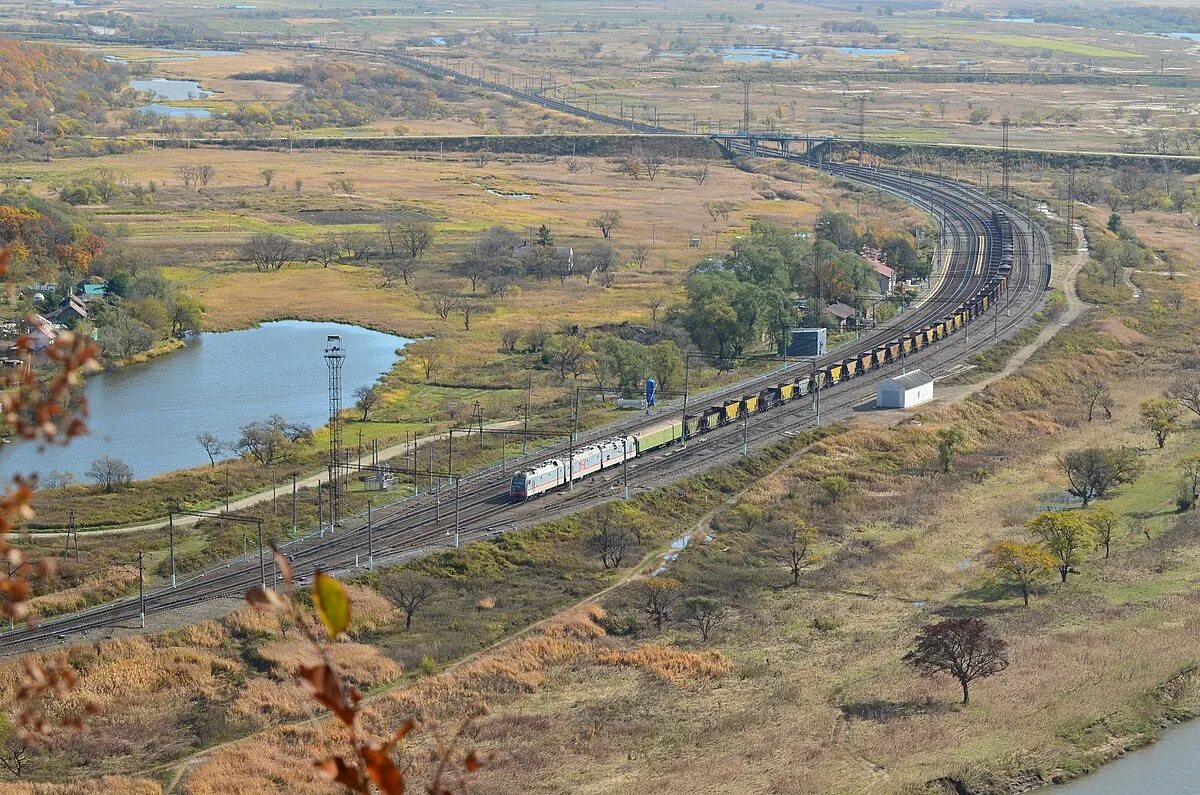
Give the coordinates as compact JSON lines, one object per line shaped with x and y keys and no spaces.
{"x":816,"y":147}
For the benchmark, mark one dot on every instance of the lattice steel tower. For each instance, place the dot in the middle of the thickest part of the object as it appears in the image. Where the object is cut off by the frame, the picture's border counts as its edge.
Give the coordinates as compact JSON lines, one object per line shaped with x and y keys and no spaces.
{"x":335,"y":354}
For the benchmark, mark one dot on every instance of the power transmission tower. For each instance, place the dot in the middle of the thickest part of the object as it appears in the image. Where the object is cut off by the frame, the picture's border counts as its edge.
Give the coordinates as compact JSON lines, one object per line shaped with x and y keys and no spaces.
{"x":1005,"y":188}
{"x":335,"y":355}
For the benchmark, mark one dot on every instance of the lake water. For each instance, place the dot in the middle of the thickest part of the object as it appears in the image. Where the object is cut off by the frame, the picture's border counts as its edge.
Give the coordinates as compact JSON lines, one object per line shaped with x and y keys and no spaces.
{"x":171,"y":89}
{"x":1014,"y":20}
{"x":748,"y":54}
{"x":1188,"y":36}
{"x":1169,"y":767}
{"x":174,"y":112}
{"x":868,"y":50}
{"x":149,"y":414}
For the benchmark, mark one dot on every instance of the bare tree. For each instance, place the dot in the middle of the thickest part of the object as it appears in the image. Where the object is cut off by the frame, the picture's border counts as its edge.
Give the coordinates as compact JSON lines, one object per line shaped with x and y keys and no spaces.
{"x":468,"y":309}
{"x":429,"y":360}
{"x":963,"y":648}
{"x":213,"y":447}
{"x":110,"y":473}
{"x":574,"y":165}
{"x":1186,"y":390}
{"x":607,"y":222}
{"x":365,"y":398}
{"x":187,"y":175}
{"x":404,"y":269}
{"x":360,"y":246}
{"x":409,"y":590}
{"x":326,"y":252}
{"x":718,"y":210}
{"x":612,"y":542}
{"x":444,"y":303}
{"x":652,"y":164}
{"x":1093,"y":472}
{"x":205,"y":174}
{"x":795,"y":539}
{"x":536,"y":337}
{"x":639,"y":255}
{"x":659,"y":597}
{"x":700,"y":173}
{"x":1093,"y":391}
{"x":409,"y":239}
{"x":268,"y":251}
{"x":262,"y":441}
{"x":509,"y":337}
{"x":655,"y":303}
{"x":704,"y":613}
{"x":268,"y":176}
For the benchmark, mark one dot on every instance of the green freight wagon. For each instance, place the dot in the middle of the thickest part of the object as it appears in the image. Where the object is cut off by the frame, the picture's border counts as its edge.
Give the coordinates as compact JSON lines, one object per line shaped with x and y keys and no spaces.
{"x":658,"y":436}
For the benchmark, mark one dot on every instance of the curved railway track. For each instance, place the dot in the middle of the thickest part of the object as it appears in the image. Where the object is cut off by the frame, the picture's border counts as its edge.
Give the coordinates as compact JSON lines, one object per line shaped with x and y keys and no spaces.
{"x":419,"y":524}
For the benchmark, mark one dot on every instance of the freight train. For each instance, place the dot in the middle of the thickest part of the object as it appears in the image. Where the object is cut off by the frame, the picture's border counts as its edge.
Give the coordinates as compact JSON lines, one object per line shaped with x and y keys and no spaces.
{"x":598,"y":456}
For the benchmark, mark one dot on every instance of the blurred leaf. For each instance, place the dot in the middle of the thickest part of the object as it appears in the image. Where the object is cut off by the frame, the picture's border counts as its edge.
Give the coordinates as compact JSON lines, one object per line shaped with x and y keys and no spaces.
{"x":383,"y":770}
{"x":320,"y":682}
{"x":332,"y":604}
{"x":285,"y":565}
{"x":264,"y":598}
{"x":336,"y":770}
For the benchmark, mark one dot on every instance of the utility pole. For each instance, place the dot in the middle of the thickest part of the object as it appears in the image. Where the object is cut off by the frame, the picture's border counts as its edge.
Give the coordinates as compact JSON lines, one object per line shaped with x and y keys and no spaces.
{"x":171,"y":543}
{"x":818,"y":377}
{"x":1005,"y":188}
{"x":226,"y":491}
{"x":262,"y":559}
{"x":571,"y":446}
{"x":320,"y":513}
{"x":745,"y":432}
{"x":457,"y":525}
{"x":625,"y":464}
{"x":142,"y":589}
{"x":293,"y":506}
{"x":746,"y":105}
{"x":1070,"y":196}
{"x":862,"y":125}
{"x":370,"y":539}
{"x":687,"y":361}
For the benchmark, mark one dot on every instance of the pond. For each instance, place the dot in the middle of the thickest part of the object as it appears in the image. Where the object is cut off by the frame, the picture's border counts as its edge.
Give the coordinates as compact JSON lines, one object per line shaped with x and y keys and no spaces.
{"x":1169,"y":767}
{"x":174,"y":112}
{"x":749,"y":54}
{"x":148,"y":415}
{"x":1187,"y":36}
{"x":165,"y":88}
{"x":868,"y":50}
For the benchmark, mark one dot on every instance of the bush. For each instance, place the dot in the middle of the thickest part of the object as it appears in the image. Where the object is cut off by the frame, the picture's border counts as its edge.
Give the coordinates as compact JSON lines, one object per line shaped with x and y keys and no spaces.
{"x":825,"y":623}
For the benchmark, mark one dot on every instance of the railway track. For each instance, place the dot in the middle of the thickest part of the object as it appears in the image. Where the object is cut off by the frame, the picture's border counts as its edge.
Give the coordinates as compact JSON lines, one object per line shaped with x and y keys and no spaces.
{"x":427,"y":522}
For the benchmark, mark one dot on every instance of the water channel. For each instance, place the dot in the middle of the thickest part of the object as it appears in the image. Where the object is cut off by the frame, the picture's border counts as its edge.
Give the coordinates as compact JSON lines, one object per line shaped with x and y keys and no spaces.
{"x":1169,"y":767}
{"x":148,"y":415}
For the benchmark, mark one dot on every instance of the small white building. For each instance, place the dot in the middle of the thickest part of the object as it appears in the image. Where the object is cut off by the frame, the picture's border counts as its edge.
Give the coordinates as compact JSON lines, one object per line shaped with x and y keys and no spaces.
{"x":904,"y":391}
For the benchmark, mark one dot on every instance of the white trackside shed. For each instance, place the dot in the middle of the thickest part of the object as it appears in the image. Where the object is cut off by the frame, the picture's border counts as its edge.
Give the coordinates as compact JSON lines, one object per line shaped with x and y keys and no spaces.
{"x":904,"y":391}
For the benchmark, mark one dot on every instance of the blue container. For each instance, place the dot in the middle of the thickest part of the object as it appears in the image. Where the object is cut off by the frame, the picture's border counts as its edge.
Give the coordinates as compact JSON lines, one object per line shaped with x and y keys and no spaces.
{"x":651,"y":388}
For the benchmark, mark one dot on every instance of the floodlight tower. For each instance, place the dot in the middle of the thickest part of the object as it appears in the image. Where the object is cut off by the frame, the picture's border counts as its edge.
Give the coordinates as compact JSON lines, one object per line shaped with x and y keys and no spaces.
{"x":335,"y":355}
